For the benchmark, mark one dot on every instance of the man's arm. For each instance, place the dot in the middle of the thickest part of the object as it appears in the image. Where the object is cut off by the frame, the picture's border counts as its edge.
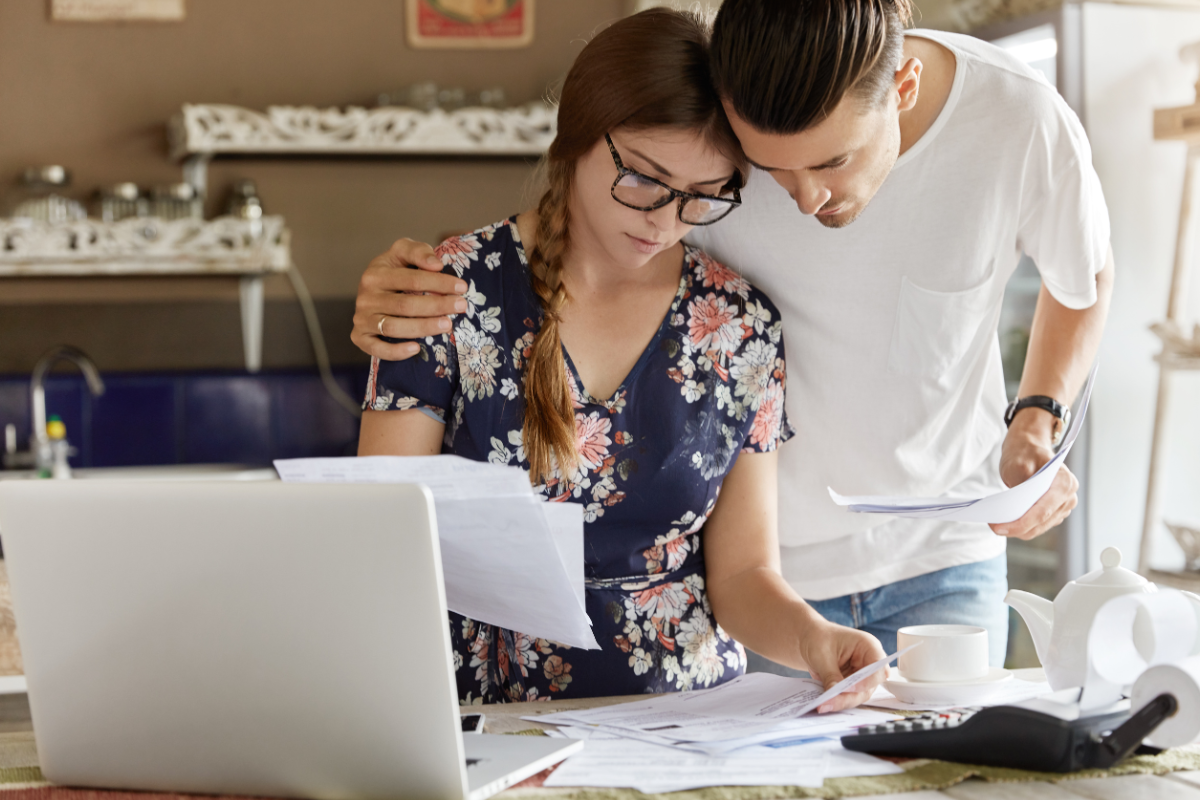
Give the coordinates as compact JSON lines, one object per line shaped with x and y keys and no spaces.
{"x":410,"y":303}
{"x":1062,"y":347}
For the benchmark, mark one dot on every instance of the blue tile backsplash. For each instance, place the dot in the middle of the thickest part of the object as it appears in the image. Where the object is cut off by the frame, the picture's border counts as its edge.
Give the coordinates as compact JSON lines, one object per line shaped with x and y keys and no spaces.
{"x":192,"y":418}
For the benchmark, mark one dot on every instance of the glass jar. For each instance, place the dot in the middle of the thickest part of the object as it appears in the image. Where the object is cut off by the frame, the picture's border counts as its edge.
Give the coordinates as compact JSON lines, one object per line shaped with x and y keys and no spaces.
{"x":42,"y":196}
{"x":176,"y":201}
{"x":122,"y":201}
{"x":244,"y":203}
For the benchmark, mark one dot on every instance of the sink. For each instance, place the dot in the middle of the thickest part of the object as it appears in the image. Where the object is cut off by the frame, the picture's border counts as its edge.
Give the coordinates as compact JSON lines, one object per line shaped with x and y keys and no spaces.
{"x":169,"y":472}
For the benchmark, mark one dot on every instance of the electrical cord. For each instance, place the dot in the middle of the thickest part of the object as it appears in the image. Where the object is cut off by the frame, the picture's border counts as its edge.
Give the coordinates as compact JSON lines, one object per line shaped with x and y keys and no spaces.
{"x":313,"y":324}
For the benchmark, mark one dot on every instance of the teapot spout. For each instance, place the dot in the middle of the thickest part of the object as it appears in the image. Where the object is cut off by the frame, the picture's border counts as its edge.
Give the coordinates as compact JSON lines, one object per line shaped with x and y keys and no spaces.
{"x":1038,"y":613}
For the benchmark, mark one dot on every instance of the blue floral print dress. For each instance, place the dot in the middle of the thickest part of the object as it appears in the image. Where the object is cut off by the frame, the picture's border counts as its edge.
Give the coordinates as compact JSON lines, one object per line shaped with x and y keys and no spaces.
{"x":709,"y":385}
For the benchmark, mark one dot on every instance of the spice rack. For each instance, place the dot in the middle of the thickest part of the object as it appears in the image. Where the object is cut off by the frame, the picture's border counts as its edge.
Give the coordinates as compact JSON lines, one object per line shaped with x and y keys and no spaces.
{"x":153,"y":247}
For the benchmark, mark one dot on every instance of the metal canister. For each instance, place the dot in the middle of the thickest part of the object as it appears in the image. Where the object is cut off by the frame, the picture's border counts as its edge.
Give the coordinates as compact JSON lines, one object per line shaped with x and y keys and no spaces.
{"x":176,"y":201}
{"x":42,"y":196}
{"x":244,"y":203}
{"x":122,"y":201}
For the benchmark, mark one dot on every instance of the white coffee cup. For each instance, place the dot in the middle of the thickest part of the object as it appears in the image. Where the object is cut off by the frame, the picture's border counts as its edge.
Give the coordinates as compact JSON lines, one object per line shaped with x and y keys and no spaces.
{"x":948,"y":653}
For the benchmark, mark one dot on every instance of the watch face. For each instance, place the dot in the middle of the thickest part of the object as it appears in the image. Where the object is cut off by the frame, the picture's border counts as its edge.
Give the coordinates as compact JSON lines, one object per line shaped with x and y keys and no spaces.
{"x":1060,"y":429}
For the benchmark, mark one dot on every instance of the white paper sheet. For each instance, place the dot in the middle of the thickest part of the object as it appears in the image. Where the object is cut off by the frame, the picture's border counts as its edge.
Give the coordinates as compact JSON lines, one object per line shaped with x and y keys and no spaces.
{"x":1006,"y":506}
{"x":752,"y":707}
{"x":448,"y":477}
{"x":845,"y":763}
{"x":566,"y":526}
{"x":803,"y":731}
{"x":650,"y":769}
{"x":508,"y":559}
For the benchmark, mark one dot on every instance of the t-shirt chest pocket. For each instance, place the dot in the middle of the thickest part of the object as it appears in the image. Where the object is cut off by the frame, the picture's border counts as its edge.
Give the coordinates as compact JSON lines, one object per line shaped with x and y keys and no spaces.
{"x":934,"y":330}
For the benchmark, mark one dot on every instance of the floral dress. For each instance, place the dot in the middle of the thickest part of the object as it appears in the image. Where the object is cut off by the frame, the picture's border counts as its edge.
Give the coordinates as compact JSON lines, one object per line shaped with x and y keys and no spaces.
{"x":709,"y":385}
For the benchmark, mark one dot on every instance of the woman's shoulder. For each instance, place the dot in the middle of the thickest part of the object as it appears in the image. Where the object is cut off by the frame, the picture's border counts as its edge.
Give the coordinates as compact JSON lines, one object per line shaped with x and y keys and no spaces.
{"x":480,"y":252}
{"x":715,"y":281}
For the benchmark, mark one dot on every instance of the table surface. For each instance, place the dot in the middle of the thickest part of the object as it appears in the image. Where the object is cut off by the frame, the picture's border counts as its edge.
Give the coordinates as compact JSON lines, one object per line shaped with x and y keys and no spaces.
{"x":506,"y":718}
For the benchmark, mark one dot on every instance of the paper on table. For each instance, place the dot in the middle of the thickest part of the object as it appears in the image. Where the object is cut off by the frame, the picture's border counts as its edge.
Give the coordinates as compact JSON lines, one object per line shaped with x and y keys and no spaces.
{"x":842,"y":763}
{"x":845,"y":763}
{"x":747,"y":706}
{"x":492,"y":531}
{"x":1006,"y":506}
{"x":649,"y":769}
{"x":802,"y":731}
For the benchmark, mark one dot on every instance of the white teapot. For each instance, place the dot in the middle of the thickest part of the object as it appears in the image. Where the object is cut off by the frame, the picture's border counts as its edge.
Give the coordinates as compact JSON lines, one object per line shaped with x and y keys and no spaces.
{"x":1060,"y":629}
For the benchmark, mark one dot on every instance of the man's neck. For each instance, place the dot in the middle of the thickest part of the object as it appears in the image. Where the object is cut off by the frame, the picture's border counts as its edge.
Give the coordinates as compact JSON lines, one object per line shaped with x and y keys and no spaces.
{"x":937,"y":78}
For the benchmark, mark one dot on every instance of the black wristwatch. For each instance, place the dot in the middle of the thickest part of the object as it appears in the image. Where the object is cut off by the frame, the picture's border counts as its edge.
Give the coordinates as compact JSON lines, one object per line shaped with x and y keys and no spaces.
{"x":1061,"y":412}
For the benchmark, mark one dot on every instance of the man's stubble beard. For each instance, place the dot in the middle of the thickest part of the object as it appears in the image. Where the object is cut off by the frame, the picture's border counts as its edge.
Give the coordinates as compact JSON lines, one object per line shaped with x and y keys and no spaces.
{"x":881,"y":176}
{"x":841,"y":220}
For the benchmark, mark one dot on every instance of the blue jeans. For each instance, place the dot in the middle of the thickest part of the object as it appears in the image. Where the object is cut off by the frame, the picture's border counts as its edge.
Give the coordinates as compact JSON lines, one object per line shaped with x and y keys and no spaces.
{"x":970,"y":594}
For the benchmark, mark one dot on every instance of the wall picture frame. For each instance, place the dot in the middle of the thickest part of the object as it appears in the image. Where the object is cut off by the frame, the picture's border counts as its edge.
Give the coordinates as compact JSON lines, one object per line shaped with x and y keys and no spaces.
{"x":117,"y":10}
{"x":469,"y":24}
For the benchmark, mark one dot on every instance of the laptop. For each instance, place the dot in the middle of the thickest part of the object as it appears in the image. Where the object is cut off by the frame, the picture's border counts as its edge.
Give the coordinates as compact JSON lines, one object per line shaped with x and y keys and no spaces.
{"x":245,"y":638}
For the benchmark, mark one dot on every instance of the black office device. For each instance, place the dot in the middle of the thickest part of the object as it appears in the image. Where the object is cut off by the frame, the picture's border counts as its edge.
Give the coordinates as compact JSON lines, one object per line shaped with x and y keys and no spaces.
{"x":1016,"y":737}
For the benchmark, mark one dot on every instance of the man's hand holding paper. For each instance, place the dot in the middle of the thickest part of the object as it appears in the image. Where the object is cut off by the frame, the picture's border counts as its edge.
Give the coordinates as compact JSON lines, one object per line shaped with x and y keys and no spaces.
{"x":1023,"y":455}
{"x":1025,"y":510}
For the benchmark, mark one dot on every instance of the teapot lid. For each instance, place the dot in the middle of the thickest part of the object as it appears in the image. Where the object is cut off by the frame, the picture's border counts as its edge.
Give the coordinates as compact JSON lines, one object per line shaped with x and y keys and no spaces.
{"x":1111,"y":572}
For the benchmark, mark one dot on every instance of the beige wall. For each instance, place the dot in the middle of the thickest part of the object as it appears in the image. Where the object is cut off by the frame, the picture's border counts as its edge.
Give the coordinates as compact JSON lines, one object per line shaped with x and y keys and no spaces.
{"x":95,"y":98}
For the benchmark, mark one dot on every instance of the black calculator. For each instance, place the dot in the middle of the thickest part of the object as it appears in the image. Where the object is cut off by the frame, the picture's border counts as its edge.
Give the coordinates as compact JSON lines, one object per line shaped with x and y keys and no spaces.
{"x":1016,"y":737}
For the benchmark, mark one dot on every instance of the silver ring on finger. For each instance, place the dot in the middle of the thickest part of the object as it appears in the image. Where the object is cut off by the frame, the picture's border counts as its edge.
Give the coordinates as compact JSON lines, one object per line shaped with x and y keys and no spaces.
{"x":382,"y":319}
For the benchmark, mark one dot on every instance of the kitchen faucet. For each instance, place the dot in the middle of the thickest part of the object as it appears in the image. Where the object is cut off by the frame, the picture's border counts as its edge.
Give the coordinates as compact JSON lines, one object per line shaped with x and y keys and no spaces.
{"x":40,"y":454}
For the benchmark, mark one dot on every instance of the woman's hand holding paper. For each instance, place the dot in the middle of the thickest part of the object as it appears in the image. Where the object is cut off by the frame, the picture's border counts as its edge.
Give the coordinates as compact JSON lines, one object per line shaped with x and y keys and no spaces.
{"x":834,"y":652}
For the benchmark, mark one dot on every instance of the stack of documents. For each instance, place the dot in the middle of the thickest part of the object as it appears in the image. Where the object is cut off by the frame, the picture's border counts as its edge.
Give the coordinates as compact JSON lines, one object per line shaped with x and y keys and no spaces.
{"x":508,"y":558}
{"x":610,"y":761}
{"x":754,"y":709}
{"x":999,"y":508}
{"x":756,"y":730}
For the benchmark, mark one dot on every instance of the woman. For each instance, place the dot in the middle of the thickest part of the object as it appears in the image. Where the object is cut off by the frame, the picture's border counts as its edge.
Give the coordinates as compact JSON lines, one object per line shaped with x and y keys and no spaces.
{"x":631,"y":374}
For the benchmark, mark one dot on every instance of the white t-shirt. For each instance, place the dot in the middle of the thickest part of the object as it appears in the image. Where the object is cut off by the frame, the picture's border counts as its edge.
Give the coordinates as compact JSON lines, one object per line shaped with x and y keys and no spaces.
{"x":894,"y":377}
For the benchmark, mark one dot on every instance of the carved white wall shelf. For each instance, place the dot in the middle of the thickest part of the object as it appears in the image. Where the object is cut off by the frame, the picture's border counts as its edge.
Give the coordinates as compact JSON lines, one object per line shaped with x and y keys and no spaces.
{"x":200,"y":130}
{"x":143,"y":246}
{"x":147,"y":246}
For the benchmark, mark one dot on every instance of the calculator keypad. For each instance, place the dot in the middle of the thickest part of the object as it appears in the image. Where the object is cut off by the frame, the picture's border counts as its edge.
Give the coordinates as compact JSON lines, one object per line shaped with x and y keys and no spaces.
{"x":930,"y":720}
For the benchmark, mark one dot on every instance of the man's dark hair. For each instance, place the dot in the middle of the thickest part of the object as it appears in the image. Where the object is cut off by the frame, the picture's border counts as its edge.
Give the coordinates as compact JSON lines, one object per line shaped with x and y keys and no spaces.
{"x":784,"y":65}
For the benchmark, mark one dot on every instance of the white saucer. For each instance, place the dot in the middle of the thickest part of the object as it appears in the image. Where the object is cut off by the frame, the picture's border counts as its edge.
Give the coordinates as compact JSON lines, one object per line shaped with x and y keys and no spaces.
{"x":966,"y":693}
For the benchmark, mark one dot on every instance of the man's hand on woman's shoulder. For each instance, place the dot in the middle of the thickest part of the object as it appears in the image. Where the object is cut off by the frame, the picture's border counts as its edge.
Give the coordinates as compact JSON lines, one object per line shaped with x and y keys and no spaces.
{"x":404,"y":295}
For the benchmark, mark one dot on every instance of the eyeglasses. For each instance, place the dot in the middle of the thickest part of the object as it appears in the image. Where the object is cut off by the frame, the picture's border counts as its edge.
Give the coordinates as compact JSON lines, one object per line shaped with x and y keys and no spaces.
{"x":641,"y":192}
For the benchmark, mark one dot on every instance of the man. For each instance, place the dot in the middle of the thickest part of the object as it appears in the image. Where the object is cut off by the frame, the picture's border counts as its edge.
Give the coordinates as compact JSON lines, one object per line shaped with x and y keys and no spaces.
{"x":944,"y":158}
